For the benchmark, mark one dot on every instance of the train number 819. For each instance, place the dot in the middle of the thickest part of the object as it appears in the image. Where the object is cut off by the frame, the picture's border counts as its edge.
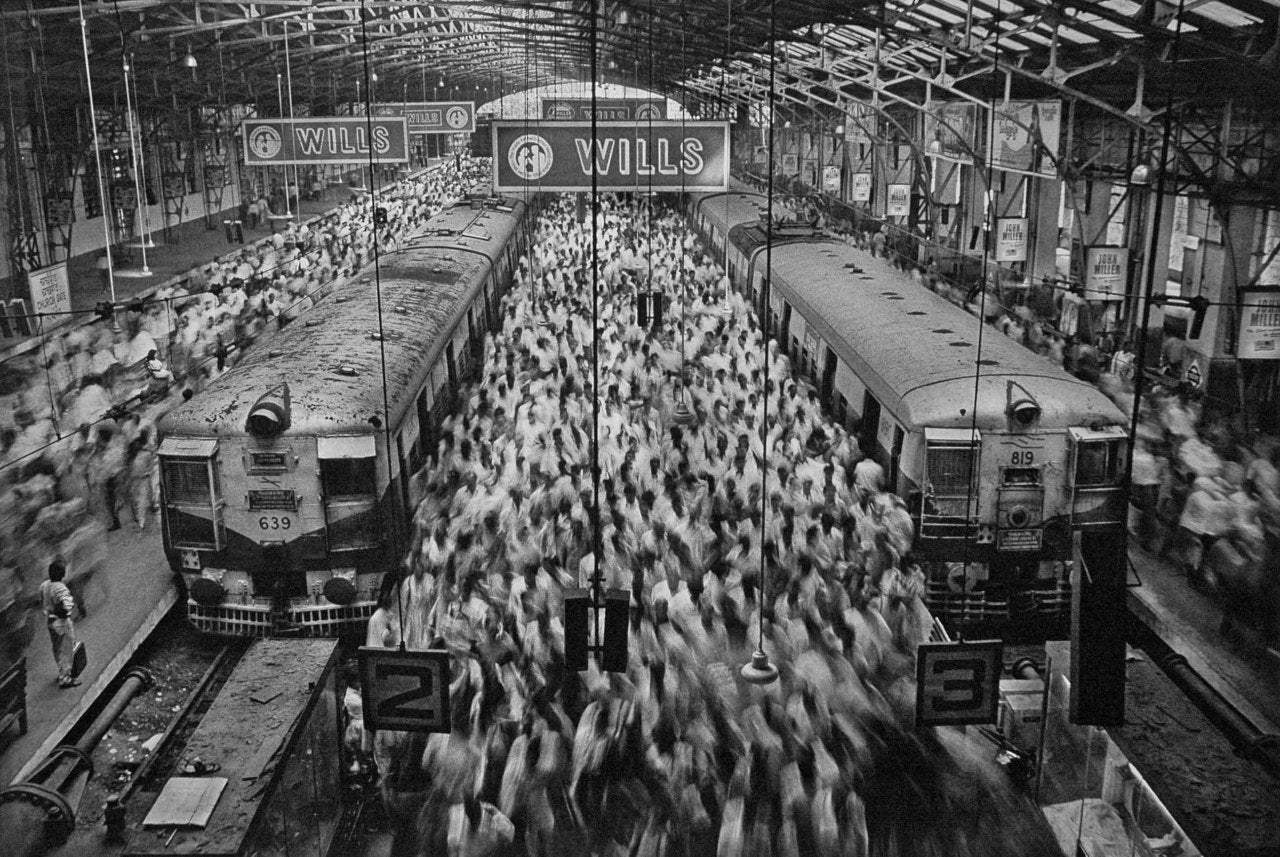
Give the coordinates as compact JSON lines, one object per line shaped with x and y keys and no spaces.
{"x":274,"y":522}
{"x":1023,"y":458}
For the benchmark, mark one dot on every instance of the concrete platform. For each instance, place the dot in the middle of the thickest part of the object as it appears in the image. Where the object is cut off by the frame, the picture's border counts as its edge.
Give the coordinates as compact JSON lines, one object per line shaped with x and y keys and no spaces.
{"x":128,"y":598}
{"x":1190,"y":622}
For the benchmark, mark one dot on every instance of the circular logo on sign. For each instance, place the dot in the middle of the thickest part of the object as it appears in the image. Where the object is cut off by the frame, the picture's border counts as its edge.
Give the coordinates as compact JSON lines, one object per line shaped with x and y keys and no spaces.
{"x":1193,"y":375}
{"x":560,"y":110}
{"x":264,"y":142}
{"x":456,"y":117}
{"x":530,"y":156}
{"x":647,"y":111}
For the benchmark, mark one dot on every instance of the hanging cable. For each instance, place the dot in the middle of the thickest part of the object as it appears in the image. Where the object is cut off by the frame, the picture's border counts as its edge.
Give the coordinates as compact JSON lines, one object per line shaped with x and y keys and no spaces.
{"x":759,"y":670}
{"x":382,"y":339}
{"x":971,"y":501}
{"x":1140,"y":355}
{"x":597,"y":577}
{"x":97,"y":159}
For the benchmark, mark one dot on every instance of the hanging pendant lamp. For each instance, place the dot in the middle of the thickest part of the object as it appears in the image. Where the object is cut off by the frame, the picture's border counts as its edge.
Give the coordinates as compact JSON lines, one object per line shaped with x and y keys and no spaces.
{"x":760,"y":670}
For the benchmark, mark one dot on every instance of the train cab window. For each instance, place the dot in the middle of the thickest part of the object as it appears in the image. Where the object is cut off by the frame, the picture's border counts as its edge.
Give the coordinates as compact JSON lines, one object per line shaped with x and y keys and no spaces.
{"x":348,"y":477}
{"x":1098,"y":456}
{"x":951,"y":461}
{"x":189,"y":480}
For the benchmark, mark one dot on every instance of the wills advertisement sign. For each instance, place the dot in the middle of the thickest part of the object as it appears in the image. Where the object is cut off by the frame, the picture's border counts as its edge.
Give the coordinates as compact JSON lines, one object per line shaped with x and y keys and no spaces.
{"x":433,"y":117}
{"x":607,"y":109}
{"x":339,"y":140}
{"x":668,"y":155}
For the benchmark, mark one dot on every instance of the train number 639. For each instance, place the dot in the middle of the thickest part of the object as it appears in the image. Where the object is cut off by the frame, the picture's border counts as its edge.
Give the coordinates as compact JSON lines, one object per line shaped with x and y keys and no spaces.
{"x":274,"y":522}
{"x":1023,"y":458}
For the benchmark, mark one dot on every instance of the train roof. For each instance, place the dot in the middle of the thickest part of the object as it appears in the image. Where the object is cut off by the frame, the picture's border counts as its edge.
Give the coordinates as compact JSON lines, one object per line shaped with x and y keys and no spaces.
{"x":329,"y":355}
{"x":918,"y":352}
{"x":735,"y":208}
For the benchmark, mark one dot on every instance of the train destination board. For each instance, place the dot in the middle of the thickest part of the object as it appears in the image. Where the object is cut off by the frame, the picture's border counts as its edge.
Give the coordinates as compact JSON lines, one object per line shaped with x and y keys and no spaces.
{"x":561,"y":156}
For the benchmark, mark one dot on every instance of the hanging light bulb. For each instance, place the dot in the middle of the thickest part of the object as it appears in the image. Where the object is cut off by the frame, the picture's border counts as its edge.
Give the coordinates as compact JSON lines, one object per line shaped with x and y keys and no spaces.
{"x":190,"y":60}
{"x":373,"y":76}
{"x":624,"y":17}
{"x":760,"y":670}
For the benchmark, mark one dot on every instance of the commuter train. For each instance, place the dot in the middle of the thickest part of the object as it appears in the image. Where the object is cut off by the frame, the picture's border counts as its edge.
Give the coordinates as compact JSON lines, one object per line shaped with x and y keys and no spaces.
{"x":283,"y":482}
{"x":1001,"y":456}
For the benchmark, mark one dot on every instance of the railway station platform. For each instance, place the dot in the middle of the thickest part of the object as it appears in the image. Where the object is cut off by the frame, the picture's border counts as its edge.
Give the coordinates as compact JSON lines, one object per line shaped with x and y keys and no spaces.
{"x":1233,"y":661}
{"x":124,"y":602}
{"x":191,"y":244}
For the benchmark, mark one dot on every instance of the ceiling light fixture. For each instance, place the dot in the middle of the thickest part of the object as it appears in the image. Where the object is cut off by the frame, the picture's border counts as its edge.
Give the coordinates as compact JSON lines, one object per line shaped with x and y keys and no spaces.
{"x":190,"y":60}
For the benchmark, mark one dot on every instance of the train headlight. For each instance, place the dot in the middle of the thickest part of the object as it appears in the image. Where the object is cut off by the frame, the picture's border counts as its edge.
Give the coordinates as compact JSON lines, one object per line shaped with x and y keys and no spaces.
{"x":339,"y":591}
{"x":270,"y":415}
{"x":207,"y":592}
{"x":1024,"y":411}
{"x":1019,"y":517}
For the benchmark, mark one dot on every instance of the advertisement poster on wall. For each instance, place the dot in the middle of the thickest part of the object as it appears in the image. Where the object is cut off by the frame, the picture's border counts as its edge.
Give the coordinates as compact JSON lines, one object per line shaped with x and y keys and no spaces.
{"x":951,"y":124}
{"x":860,"y":190}
{"x":1259,"y":324}
{"x":899,"y":203}
{"x":1014,"y":135}
{"x":1011,"y":239}
{"x":791,"y":164}
{"x":1106,"y":273}
{"x":831,"y":179}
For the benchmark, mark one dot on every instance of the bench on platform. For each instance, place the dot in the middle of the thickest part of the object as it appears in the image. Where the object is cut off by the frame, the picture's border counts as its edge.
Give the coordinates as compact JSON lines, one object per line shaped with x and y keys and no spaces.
{"x":13,"y":697}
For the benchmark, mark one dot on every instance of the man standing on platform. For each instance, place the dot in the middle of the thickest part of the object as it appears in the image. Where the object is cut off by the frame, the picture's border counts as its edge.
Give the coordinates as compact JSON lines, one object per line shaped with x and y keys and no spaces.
{"x":58,"y":605}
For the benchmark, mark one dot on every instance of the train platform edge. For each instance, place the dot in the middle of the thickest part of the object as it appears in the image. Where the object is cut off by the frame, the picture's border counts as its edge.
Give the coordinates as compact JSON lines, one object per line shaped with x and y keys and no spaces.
{"x":1242,"y":671}
{"x":129,"y":609}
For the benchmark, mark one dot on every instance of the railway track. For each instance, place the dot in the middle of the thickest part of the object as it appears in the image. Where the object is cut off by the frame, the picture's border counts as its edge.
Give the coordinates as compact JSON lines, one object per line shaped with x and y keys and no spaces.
{"x":189,"y":669}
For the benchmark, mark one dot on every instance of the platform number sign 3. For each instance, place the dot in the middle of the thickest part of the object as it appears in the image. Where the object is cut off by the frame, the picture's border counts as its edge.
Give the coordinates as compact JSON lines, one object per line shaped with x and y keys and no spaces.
{"x":958,"y":683}
{"x":407,"y":691}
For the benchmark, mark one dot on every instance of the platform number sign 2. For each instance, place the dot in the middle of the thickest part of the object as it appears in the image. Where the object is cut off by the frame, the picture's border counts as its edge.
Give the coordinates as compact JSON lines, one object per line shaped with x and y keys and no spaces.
{"x":407,"y":691}
{"x":958,"y":683}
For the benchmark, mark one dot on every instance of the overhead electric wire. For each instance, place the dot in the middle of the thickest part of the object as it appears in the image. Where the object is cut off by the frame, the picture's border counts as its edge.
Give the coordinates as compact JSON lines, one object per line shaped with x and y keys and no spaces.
{"x":393,"y":524}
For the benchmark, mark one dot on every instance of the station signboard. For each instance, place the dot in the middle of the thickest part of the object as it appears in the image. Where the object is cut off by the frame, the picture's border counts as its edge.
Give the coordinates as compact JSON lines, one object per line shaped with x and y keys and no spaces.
{"x":562,"y":156}
{"x":958,"y":683}
{"x":433,"y":117}
{"x":405,"y":690}
{"x":50,"y":289}
{"x":606,"y":109}
{"x":331,"y":140}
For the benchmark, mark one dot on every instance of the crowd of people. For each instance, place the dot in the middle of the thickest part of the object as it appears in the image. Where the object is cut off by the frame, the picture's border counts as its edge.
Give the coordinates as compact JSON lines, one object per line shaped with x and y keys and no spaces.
{"x":78,"y":415}
{"x":747,"y":522}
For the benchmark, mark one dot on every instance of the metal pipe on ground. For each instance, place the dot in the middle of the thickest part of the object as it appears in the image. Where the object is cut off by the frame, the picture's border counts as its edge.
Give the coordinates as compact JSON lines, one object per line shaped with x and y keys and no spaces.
{"x":39,"y":813}
{"x":1251,"y":742}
